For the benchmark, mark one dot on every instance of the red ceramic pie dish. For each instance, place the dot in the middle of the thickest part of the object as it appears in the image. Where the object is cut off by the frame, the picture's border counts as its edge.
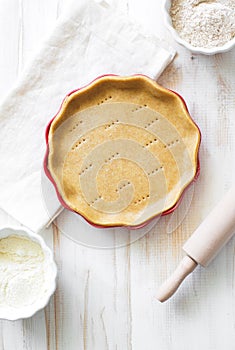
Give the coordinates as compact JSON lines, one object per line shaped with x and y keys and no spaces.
{"x":65,"y":204}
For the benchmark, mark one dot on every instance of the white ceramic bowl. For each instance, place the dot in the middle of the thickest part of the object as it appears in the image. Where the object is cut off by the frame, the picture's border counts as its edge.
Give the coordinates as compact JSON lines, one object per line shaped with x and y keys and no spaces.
{"x":28,"y":311}
{"x":198,"y":50}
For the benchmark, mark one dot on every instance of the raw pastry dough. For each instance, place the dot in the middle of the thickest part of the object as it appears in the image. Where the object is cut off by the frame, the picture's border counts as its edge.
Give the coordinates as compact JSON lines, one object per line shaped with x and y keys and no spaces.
{"x":122,"y":150}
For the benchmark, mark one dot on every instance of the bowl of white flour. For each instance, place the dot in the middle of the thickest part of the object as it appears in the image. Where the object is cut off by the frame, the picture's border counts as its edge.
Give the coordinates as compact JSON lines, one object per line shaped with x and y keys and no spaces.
{"x":27,"y":273}
{"x":202,"y":26}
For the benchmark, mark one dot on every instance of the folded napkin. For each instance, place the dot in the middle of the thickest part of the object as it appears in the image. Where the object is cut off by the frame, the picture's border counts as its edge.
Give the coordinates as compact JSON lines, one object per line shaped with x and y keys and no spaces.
{"x":89,"y":40}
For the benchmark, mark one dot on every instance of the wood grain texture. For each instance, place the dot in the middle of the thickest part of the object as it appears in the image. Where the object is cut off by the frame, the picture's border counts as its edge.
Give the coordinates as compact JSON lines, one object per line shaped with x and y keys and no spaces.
{"x":105,"y":298}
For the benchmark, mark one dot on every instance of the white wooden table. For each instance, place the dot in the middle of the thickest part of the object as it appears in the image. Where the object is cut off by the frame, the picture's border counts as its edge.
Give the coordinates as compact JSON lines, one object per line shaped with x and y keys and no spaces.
{"x":105,"y":298}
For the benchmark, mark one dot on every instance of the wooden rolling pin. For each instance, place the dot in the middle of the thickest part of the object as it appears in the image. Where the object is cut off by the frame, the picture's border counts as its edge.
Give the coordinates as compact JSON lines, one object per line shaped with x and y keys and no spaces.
{"x":204,"y":244}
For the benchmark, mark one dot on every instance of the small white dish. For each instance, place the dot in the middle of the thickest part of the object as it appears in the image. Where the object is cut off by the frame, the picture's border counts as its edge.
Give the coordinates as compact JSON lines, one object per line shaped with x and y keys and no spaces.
{"x":197,"y":50}
{"x":13,"y":314}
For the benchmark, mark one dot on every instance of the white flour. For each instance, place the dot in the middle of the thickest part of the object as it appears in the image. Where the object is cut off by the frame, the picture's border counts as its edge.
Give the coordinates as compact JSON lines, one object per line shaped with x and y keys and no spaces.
{"x":22,"y":272}
{"x":204,"y":23}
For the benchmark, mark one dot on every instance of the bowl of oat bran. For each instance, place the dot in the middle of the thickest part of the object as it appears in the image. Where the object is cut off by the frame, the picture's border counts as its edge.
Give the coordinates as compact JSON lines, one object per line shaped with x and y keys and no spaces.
{"x":202,"y":26}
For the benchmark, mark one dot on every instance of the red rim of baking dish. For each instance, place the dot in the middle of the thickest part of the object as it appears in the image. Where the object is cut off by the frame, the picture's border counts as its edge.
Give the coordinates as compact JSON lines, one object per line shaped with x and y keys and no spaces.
{"x":169,"y":211}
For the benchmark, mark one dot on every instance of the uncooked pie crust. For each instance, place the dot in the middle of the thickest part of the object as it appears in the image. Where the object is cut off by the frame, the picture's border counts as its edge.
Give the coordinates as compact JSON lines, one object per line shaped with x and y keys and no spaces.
{"x":122,"y":150}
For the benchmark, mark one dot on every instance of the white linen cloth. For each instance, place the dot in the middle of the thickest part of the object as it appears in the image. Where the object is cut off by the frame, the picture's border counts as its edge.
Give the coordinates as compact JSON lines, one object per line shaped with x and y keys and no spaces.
{"x":89,"y":40}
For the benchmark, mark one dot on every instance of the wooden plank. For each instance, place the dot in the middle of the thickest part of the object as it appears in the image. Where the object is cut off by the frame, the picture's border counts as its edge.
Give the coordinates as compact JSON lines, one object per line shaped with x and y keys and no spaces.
{"x":10,"y":33}
{"x":202,"y":305}
{"x":23,"y":25}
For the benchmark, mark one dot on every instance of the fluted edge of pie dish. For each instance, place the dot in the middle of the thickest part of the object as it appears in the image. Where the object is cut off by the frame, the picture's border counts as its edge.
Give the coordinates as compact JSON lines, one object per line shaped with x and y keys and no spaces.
{"x":146,"y":222}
